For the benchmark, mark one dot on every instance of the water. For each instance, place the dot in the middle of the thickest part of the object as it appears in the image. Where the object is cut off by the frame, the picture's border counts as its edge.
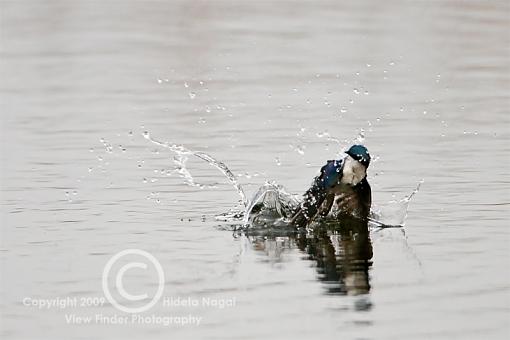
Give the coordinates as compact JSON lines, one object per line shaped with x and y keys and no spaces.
{"x":272,"y":90}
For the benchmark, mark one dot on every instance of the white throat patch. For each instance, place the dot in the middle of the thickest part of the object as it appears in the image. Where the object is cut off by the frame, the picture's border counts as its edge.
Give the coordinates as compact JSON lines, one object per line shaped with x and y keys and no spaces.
{"x":353,"y":171}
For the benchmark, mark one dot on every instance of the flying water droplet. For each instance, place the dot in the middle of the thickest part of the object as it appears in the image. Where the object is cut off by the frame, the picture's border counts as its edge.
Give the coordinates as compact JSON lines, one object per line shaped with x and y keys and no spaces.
{"x":300,"y":149}
{"x":361,"y":135}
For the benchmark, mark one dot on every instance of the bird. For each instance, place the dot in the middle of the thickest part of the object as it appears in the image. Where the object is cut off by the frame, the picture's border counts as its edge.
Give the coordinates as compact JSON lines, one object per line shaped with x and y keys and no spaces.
{"x":341,"y":188}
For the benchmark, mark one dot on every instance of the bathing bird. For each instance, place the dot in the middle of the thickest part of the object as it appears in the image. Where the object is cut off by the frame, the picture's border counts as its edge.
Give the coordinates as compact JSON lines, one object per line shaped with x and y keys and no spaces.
{"x":341,"y":188}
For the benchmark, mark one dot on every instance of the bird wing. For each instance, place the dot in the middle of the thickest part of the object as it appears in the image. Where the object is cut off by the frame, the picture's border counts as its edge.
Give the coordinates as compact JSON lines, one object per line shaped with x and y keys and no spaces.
{"x":314,"y":197}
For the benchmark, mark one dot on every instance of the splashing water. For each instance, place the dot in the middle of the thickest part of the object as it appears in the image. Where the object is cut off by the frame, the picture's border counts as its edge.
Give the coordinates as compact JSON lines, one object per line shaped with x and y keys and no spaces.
{"x":271,"y":205}
{"x":181,"y":159}
{"x":394,"y":213}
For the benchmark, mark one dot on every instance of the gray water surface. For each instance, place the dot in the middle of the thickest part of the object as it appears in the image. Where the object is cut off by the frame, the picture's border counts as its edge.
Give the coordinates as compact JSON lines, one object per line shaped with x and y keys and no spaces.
{"x":273,"y":89}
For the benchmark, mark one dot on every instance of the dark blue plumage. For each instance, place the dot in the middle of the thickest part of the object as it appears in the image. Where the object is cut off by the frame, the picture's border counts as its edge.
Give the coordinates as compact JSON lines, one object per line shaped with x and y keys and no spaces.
{"x":342,"y":183}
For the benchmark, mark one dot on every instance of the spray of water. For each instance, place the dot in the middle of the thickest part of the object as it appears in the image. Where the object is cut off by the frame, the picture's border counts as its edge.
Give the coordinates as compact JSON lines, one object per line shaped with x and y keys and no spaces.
{"x":393,"y":214}
{"x":272,"y":202}
{"x":181,"y":157}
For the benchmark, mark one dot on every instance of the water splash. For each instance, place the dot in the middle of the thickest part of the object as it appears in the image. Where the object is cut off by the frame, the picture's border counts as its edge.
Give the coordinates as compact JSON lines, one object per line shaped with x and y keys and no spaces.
{"x":272,"y":206}
{"x":182,"y":156}
{"x":394,"y":213}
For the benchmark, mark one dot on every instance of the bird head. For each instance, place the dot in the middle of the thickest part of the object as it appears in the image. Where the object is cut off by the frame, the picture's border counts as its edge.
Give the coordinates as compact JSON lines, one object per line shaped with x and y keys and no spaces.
{"x":359,"y":153}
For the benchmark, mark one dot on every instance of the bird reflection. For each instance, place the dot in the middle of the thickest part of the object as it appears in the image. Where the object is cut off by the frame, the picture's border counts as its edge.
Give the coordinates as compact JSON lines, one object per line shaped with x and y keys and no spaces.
{"x":341,"y":250}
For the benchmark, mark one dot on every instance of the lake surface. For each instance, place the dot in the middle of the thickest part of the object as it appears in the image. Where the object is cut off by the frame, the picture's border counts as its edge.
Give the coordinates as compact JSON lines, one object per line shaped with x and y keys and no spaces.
{"x":273,"y":90}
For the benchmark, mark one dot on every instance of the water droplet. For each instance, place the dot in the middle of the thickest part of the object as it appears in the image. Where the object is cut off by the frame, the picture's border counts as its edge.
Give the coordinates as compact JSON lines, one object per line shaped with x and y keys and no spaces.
{"x":144,"y":180}
{"x":343,"y":109}
{"x":207,"y":109}
{"x":361,"y":135}
{"x":202,"y":120}
{"x":192,"y":95}
{"x":300,"y":149}
{"x":322,"y":134}
{"x":130,"y":133}
{"x":369,"y":65}
{"x":159,"y":80}
{"x":278,"y":162}
{"x":355,"y":90}
{"x":91,"y":149}
{"x":186,"y":85}
{"x":146,"y":135}
{"x":392,"y":63}
{"x":401,"y":109}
